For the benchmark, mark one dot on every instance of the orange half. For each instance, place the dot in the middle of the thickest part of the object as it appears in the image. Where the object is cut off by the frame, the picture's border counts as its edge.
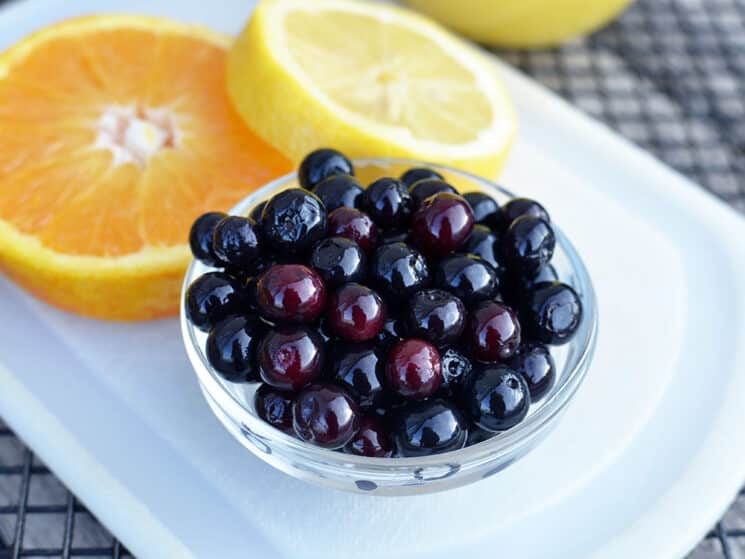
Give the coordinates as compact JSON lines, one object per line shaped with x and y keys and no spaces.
{"x":116,"y":132}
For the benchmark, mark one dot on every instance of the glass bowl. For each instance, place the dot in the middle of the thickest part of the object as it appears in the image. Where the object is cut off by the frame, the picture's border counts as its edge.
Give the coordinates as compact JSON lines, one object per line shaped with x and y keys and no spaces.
{"x":232,"y":403}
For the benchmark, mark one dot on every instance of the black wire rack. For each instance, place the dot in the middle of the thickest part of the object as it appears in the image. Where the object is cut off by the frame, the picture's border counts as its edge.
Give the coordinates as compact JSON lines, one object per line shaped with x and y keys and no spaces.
{"x":669,"y":75}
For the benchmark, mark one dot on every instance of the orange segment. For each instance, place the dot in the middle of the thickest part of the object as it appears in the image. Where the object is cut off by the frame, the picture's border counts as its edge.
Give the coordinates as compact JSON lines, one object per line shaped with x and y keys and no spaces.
{"x":117,"y":133}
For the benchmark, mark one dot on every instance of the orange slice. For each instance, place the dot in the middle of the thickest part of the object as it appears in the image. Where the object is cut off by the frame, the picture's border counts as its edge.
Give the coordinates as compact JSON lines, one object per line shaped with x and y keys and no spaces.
{"x":115,"y":133}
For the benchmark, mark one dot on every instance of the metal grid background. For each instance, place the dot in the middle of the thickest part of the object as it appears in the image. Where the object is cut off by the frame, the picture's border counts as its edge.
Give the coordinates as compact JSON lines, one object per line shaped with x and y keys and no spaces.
{"x":669,"y":75}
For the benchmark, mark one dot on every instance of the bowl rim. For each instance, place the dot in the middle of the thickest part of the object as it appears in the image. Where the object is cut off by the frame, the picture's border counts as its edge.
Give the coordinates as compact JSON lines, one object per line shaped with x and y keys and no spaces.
{"x":501,"y":443}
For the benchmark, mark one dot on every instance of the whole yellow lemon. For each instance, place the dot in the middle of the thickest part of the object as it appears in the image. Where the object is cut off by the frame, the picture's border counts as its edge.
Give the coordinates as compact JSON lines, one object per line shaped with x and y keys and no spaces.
{"x":522,"y":23}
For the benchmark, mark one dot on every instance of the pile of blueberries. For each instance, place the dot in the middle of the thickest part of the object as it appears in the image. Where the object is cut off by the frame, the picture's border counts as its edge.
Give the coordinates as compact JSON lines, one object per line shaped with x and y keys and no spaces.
{"x":401,"y":319}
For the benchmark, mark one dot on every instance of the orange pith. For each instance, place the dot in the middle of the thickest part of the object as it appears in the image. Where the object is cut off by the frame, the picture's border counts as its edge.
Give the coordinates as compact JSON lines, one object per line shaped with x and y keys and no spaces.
{"x":115,"y":133}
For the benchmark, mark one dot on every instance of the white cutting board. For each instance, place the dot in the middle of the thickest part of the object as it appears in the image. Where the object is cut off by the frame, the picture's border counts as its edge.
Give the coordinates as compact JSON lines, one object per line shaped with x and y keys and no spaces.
{"x":644,"y":462}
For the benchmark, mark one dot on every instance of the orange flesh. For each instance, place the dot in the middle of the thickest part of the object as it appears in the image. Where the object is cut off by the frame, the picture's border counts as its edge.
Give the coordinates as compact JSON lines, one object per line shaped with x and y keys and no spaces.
{"x":58,"y":185}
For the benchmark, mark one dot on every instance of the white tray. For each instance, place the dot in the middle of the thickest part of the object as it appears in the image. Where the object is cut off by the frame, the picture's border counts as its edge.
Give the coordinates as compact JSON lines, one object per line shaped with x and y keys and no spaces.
{"x":644,"y":462}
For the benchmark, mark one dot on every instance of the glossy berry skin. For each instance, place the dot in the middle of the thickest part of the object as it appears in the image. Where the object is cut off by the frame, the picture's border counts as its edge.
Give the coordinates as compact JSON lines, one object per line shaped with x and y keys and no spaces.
{"x":339,"y":191}
{"x":485,"y":208}
{"x":291,"y":293}
{"x":321,"y":164}
{"x":293,"y":221}
{"x":355,"y":313}
{"x":423,"y":189}
{"x":430,"y":427}
{"x":398,"y":271}
{"x":290,"y":357}
{"x":413,"y":369}
{"x":393,"y":332}
{"x":256,"y":212}
{"x":527,"y":245}
{"x":213,"y":297}
{"x":442,"y":224}
{"x":436,"y":316}
{"x":325,"y":415}
{"x":354,"y":225}
{"x":360,"y":369}
{"x":416,"y":174}
{"x":492,"y":331}
{"x":536,"y":365}
{"x":235,"y":242}
{"x":338,"y":261}
{"x":456,"y":369}
{"x":496,"y":398}
{"x":231,"y":348}
{"x":519,"y":207}
{"x":485,"y":244}
{"x":468,"y":277}
{"x":372,"y":439}
{"x":389,"y":203}
{"x":552,"y":312}
{"x":516,"y":287}
{"x":275,"y":407}
{"x":200,"y":237}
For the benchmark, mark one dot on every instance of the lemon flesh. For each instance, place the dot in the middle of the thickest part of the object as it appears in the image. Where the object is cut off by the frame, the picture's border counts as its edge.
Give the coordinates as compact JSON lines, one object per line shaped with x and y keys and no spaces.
{"x":370,"y":80}
{"x":522,"y":23}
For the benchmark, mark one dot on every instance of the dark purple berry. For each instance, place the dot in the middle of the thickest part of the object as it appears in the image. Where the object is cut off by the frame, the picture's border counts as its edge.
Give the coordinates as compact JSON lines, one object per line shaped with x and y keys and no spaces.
{"x":235,"y":242}
{"x":213,"y":297}
{"x":321,"y":164}
{"x":468,"y":277}
{"x":290,"y":357}
{"x":354,"y":225}
{"x":291,"y":293}
{"x":371,"y":440}
{"x":388,"y":202}
{"x":527,"y":245}
{"x":552,"y":312}
{"x":456,"y":369}
{"x":492,"y":331}
{"x":485,"y":208}
{"x":231,"y":348}
{"x":496,"y":398}
{"x":200,"y":237}
{"x":339,"y":191}
{"x":485,"y":244}
{"x":398,"y":271}
{"x":356,"y":313}
{"x":256,"y":212}
{"x":275,"y":407}
{"x":293,"y":221}
{"x":325,"y":415}
{"x":423,"y":189}
{"x":338,"y":261}
{"x":430,"y":427}
{"x":535,"y":364}
{"x":442,"y":224}
{"x":519,"y":207}
{"x":413,"y":369}
{"x":417,"y":174}
{"x":360,"y":368}
{"x":436,"y":316}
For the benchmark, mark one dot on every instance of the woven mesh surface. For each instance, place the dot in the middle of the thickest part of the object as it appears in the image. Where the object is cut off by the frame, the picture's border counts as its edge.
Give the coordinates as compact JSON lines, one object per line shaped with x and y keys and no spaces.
{"x":669,"y":75}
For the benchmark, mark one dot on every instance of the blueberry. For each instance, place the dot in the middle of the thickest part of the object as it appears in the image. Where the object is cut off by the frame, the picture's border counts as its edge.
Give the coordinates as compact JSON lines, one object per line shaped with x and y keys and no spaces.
{"x":468,"y":277}
{"x":200,"y":237}
{"x":235,"y":242}
{"x":355,"y":225}
{"x":231,"y":348}
{"x":339,"y":191}
{"x":275,"y":407}
{"x":339,"y":260}
{"x":325,"y":415}
{"x":519,"y":207}
{"x":535,"y":364}
{"x":290,"y":357}
{"x":456,"y":369}
{"x":293,"y":221}
{"x":256,"y":212}
{"x":413,"y":369}
{"x":321,"y":164}
{"x":442,"y":224}
{"x":485,"y":244}
{"x":436,"y":316}
{"x":430,"y":427}
{"x":291,"y":293}
{"x":417,"y":174}
{"x":527,"y":245}
{"x":398,"y":271}
{"x":423,"y":189}
{"x":485,"y":208}
{"x":388,"y":202}
{"x":212,"y":298}
{"x":360,"y":368}
{"x":355,"y":313}
{"x":492,"y":331}
{"x":552,"y":312}
{"x":496,"y":398}
{"x":372,"y":439}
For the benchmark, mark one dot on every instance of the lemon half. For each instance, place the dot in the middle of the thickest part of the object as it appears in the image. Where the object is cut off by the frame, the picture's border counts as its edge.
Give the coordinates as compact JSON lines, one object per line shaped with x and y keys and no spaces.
{"x":370,"y":80}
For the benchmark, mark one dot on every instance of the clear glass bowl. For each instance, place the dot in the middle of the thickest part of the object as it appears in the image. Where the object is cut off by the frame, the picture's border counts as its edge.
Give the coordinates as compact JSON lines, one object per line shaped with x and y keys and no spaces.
{"x":232,"y":403}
